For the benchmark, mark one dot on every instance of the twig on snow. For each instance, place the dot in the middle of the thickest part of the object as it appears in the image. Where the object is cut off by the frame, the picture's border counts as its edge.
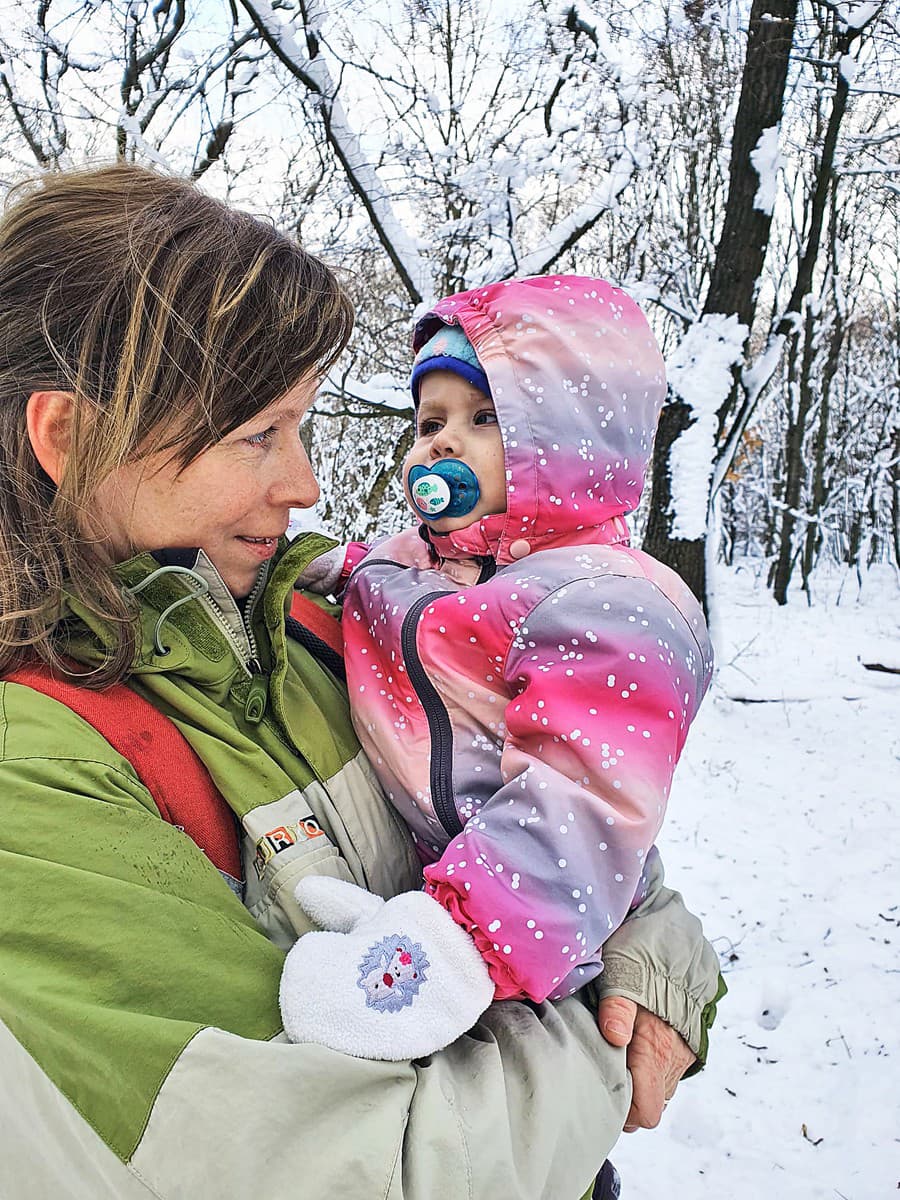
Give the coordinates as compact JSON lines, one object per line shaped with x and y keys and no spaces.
{"x":840,"y":1038}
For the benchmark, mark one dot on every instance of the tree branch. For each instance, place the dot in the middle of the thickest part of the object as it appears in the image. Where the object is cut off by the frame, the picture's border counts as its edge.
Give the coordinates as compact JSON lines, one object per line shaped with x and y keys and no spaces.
{"x":312,"y":72}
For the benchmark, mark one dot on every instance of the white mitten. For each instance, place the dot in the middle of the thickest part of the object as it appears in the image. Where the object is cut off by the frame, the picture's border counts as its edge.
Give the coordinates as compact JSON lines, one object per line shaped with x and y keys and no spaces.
{"x":391,"y":980}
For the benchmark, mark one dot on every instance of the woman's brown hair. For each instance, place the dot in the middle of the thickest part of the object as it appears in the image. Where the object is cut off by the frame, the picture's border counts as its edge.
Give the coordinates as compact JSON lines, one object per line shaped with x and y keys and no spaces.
{"x":171,"y":319}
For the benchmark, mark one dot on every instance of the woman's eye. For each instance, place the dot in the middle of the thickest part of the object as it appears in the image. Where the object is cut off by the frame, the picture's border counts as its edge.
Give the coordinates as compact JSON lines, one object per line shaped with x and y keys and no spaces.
{"x":487,"y":416}
{"x":260,"y":439}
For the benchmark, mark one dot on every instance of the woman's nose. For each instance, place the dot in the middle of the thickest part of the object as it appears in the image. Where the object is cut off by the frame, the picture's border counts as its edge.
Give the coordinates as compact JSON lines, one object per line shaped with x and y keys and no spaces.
{"x":297,"y":486}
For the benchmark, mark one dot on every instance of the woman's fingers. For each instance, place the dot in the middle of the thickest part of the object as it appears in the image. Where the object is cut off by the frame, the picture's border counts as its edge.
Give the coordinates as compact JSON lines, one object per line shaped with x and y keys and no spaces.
{"x":616,"y":1016}
{"x":657,"y":1057}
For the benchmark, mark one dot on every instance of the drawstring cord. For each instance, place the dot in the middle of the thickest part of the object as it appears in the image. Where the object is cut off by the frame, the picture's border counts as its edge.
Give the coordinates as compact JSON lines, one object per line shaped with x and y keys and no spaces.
{"x":159,"y":648}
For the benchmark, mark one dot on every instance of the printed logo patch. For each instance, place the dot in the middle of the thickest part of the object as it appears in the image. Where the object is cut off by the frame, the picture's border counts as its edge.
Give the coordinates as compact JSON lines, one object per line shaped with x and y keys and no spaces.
{"x":279,"y":839}
{"x":391,"y":973}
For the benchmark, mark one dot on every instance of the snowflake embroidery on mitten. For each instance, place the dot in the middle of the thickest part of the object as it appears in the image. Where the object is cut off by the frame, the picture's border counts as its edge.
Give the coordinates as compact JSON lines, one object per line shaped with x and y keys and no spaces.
{"x":391,"y":973}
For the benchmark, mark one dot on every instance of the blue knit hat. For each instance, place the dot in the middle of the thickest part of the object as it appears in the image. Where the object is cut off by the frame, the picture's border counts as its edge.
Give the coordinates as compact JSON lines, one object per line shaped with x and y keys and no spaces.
{"x":448,"y":350}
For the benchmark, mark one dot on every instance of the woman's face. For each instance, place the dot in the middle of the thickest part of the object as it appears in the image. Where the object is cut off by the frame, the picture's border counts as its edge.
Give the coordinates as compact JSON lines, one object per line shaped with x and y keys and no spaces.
{"x":233,"y":501}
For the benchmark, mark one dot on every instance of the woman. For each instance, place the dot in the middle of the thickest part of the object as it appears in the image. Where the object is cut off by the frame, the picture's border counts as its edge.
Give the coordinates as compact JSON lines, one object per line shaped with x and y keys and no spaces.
{"x":157,"y":354}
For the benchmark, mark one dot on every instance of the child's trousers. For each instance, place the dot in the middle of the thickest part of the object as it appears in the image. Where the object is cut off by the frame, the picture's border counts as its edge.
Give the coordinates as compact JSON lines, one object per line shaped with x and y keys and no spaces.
{"x":607,"y":1185}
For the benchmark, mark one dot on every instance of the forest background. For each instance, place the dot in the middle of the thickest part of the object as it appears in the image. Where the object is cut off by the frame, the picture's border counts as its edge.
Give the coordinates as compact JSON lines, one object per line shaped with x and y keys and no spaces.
{"x":733,"y":164}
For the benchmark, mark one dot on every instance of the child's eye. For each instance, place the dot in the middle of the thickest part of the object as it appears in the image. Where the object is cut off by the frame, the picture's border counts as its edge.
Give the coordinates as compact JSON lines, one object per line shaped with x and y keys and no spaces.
{"x":261,"y":439}
{"x":486,"y":416}
{"x":428,"y":427}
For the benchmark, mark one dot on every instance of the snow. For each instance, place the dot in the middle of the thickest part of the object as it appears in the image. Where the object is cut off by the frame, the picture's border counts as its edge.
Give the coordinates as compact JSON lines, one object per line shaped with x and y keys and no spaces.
{"x":766,"y":159}
{"x":310,"y":520}
{"x":131,"y":126}
{"x":611,"y":185}
{"x":699,"y":371}
{"x":782,"y":834}
{"x":847,"y":67}
{"x":382,"y":389}
{"x":855,"y":14}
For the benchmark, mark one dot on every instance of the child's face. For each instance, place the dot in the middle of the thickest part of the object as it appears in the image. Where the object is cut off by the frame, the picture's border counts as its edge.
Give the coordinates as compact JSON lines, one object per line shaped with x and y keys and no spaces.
{"x":456,"y":420}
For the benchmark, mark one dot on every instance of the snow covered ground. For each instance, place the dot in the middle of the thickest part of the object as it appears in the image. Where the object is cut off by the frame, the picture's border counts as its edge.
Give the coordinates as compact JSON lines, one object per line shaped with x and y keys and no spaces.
{"x":784,"y":834}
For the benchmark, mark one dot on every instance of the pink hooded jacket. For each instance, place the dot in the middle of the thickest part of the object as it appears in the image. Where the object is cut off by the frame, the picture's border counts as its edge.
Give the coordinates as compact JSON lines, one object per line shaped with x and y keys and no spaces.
{"x":524,"y":686}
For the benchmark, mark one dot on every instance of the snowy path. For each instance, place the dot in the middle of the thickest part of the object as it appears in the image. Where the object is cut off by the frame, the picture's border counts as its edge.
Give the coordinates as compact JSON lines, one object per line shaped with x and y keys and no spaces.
{"x":784,"y":834}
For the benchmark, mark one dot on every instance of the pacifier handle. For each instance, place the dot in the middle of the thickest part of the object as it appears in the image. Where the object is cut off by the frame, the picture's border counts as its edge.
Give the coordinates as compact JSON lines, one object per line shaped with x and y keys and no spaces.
{"x":449,"y":488}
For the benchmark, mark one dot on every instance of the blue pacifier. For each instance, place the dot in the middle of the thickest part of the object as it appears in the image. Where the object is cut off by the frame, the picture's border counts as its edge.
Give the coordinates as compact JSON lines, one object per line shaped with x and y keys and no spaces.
{"x":448,"y":489}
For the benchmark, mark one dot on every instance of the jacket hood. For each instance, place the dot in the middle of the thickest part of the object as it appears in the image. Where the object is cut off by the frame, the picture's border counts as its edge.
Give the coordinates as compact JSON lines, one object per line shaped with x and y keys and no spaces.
{"x":577,"y":380}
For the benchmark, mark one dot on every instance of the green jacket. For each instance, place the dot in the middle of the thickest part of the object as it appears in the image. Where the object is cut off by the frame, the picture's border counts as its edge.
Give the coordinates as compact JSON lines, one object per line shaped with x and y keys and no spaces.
{"x":140,"y":1045}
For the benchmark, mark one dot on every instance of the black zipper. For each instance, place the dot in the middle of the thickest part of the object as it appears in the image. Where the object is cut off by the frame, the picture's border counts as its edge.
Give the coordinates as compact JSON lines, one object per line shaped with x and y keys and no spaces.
{"x":487,"y":569}
{"x":438,"y":720}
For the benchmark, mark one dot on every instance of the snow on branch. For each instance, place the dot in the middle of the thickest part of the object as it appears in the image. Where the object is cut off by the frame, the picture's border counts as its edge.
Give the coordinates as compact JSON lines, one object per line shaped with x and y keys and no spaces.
{"x":20,"y":107}
{"x":856,"y":14}
{"x":312,"y":71}
{"x":754,"y":379}
{"x":766,"y":159}
{"x":131,"y":127}
{"x":567,"y":232}
{"x":700,"y":374}
{"x":796,"y":513}
{"x":381,"y":394}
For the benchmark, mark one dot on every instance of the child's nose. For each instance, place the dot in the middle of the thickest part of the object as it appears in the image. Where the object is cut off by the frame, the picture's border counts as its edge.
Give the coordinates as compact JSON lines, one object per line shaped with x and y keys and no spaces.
{"x":445,"y":443}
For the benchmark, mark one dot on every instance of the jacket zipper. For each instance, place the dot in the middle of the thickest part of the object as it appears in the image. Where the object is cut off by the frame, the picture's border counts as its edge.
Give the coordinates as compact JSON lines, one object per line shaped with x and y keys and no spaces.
{"x":255,"y":593}
{"x":487,"y":569}
{"x":257,"y":698}
{"x":441,"y":774}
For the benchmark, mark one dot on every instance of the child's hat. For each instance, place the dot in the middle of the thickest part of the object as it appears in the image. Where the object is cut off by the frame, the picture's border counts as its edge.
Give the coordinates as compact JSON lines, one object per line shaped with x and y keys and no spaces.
{"x":448,"y":350}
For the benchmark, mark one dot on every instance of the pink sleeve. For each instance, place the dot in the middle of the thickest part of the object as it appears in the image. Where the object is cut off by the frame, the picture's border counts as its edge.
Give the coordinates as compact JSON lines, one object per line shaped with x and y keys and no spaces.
{"x":354,"y":553}
{"x":608,"y":676}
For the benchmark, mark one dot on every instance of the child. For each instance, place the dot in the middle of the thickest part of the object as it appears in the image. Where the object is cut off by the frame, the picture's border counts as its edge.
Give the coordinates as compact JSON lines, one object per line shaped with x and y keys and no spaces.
{"x":522,"y":680}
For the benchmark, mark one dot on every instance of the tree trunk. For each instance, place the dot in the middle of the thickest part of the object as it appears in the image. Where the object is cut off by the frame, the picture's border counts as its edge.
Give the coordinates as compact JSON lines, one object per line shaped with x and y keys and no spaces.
{"x":685,"y":557}
{"x":729,"y":524}
{"x":745,"y":232}
{"x":387,"y":473}
{"x":795,"y":468}
{"x":740,"y":255}
{"x":813,"y":539}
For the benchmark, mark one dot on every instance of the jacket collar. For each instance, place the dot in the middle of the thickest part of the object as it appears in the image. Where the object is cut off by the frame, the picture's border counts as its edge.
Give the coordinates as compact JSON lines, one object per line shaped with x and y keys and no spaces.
{"x":198,"y":633}
{"x":488,"y":538}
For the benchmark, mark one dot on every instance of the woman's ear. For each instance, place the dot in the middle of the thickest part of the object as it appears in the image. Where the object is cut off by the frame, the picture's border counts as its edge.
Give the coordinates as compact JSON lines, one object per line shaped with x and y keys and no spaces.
{"x":49,"y":422}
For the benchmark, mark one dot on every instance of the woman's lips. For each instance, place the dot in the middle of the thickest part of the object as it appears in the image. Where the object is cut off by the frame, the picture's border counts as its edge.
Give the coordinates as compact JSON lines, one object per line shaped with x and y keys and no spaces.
{"x":262,"y":547}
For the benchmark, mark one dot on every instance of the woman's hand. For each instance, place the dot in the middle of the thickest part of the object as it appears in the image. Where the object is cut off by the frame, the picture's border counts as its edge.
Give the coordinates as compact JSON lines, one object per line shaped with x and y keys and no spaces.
{"x":657,"y":1057}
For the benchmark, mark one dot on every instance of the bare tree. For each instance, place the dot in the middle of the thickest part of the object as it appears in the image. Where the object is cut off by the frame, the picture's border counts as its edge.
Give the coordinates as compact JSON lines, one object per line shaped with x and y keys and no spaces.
{"x":158,"y":93}
{"x":427,"y":147}
{"x":734,"y":284}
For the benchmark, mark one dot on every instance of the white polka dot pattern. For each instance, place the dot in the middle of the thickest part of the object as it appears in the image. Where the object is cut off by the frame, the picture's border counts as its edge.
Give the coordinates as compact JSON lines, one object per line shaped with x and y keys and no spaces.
{"x":547,"y":707}
{"x":567,"y":706}
{"x":577,"y":380}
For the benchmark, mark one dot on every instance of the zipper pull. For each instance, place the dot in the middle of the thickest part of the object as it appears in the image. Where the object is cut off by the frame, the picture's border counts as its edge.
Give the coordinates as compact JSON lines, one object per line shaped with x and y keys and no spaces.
{"x":258,"y":696}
